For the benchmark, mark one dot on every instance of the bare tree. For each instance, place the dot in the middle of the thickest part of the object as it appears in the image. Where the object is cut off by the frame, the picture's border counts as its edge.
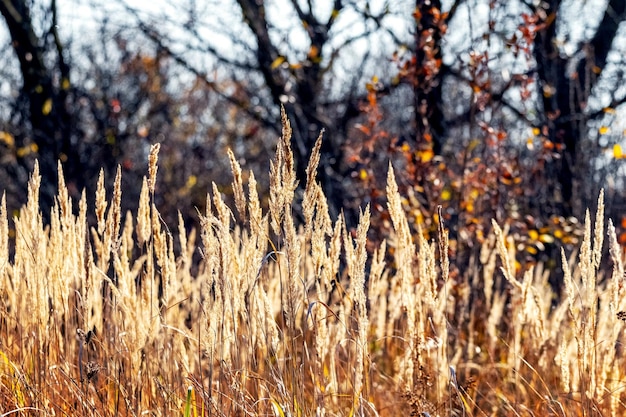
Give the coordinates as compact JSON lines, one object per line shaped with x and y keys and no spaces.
{"x":566,"y":83}
{"x":309,"y":58}
{"x":45,"y":89}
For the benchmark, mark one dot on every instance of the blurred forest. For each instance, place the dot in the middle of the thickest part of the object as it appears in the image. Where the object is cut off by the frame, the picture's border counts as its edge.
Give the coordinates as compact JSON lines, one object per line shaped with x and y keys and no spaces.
{"x":491,"y":108}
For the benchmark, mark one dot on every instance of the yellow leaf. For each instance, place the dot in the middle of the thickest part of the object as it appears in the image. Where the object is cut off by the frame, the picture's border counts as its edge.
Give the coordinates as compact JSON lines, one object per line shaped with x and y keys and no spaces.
{"x":65,"y":84}
{"x":603,"y":130}
{"x":609,"y":110}
{"x":426,"y":155}
{"x":532,"y":250}
{"x":334,"y":13}
{"x":22,"y":152}
{"x":533,"y":235}
{"x":363,"y":174}
{"x":546,"y":238}
{"x":617,"y":151}
{"x":7,"y":138}
{"x":446,"y":194}
{"x":9,"y":378}
{"x":191,"y":181}
{"x":47,"y":107}
{"x":277,"y":62}
{"x":536,"y":131}
{"x":473,"y":144}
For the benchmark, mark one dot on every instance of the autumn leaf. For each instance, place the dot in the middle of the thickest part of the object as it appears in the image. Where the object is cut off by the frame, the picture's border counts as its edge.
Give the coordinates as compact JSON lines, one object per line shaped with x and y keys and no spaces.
{"x":446,"y":194}
{"x":277,"y":62}
{"x":426,"y":155}
{"x":47,"y":107}
{"x":364,"y":129}
{"x":7,"y":138}
{"x":313,"y":52}
{"x":546,"y":238}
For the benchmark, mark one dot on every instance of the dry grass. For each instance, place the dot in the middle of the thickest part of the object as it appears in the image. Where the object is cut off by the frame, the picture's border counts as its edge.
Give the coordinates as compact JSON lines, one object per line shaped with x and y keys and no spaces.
{"x":112,"y":320}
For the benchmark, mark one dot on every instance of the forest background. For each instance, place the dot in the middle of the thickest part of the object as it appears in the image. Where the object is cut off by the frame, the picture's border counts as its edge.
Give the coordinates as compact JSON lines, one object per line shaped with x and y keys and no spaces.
{"x":412,"y":169}
{"x":505,"y":110}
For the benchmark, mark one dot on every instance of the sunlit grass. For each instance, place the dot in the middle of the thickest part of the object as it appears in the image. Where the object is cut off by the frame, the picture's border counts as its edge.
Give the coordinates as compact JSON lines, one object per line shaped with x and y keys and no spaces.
{"x":285,"y":320}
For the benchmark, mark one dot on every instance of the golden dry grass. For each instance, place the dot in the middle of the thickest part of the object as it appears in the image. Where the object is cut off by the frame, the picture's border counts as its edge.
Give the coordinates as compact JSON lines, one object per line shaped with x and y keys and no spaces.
{"x":281,"y":320}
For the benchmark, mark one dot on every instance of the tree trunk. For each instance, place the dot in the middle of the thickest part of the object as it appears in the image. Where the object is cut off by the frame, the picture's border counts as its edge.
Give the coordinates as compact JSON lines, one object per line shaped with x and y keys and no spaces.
{"x":50,"y":121}
{"x":427,"y":86}
{"x":565,"y":89}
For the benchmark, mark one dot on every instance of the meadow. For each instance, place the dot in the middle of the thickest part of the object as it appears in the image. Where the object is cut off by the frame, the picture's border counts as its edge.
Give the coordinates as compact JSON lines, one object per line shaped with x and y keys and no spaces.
{"x":256,"y":314}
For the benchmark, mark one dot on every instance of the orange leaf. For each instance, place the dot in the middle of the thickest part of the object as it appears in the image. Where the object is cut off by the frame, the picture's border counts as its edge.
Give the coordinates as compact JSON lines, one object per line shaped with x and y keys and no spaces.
{"x":364,"y":129}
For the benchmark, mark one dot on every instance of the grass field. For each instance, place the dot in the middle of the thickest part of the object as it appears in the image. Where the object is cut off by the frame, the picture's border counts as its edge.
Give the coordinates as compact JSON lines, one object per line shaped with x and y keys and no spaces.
{"x":283,"y":320}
